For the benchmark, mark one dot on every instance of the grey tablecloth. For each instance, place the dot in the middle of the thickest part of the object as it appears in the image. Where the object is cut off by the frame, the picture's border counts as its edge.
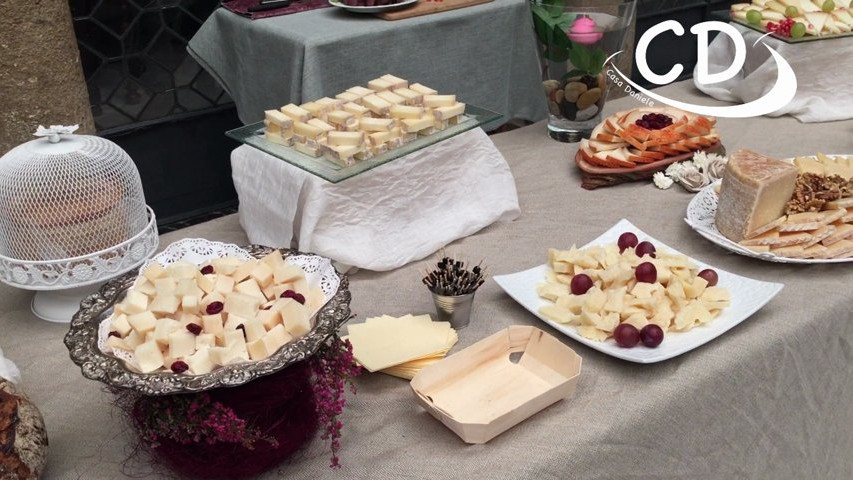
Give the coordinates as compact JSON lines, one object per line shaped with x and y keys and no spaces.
{"x":484,"y":54}
{"x":769,"y":399}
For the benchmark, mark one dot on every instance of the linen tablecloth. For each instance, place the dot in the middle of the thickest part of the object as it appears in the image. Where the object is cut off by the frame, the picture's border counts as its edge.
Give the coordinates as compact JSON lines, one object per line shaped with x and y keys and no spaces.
{"x":823,"y":67}
{"x":768,"y":399}
{"x":380,"y":220}
{"x":485,"y":54}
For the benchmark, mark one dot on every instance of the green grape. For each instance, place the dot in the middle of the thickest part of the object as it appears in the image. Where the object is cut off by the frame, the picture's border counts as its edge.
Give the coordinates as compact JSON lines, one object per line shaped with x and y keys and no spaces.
{"x":791,"y":11}
{"x":753,"y":17}
{"x":828,"y":6}
{"x":798,"y":30}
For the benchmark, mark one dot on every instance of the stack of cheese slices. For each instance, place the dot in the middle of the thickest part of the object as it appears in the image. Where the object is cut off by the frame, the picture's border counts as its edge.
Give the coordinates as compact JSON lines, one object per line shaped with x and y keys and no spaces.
{"x":620,"y":141}
{"x":400,"y":346}
{"x":361,"y":123}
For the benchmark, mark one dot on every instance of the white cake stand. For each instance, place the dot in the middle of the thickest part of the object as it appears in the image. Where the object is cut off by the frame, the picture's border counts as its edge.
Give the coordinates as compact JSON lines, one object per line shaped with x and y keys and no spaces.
{"x":61,"y":284}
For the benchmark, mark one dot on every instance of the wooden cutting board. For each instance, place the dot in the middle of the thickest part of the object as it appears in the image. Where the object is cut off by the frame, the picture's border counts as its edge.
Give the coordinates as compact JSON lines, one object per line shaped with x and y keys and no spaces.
{"x":427,"y":7}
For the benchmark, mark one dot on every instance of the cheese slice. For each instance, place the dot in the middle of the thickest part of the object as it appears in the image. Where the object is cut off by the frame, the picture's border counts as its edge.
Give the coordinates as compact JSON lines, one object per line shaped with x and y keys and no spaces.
{"x":412,"y":97}
{"x":840,"y":249}
{"x":819,"y":235}
{"x":433,"y":101}
{"x":766,"y":228}
{"x":422,"y":89}
{"x":296,"y":113}
{"x":396,"y":82}
{"x":842,"y":232}
{"x":391,"y":97}
{"x":278,"y":119}
{"x":755,"y":192}
{"x":379,"y":84}
{"x":376,"y":104}
{"x":384,"y":343}
{"x":444,"y":113}
{"x":347,"y":97}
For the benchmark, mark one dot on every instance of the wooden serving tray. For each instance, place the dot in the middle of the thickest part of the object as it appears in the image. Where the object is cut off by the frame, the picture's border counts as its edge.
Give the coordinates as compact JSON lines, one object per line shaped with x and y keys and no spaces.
{"x":594,"y":176}
{"x":427,"y":7}
{"x":484,"y":390}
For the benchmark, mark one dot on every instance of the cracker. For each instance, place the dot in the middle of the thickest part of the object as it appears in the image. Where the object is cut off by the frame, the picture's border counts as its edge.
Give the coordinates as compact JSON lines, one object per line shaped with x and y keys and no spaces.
{"x":839,"y":249}
{"x":820,"y":234}
{"x":842,"y":231}
{"x":767,"y":238}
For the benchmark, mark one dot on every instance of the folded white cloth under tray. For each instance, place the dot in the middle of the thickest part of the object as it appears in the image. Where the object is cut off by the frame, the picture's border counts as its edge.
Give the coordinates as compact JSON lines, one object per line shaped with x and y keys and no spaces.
{"x":382,"y":219}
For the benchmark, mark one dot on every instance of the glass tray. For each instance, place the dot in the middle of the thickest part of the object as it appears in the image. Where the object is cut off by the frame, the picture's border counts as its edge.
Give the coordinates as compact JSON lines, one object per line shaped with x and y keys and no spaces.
{"x":253,"y":135}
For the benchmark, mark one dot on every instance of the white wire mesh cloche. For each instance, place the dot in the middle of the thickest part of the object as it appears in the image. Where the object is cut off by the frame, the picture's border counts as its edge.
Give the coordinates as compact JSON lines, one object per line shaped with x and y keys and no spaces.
{"x":69,"y":197}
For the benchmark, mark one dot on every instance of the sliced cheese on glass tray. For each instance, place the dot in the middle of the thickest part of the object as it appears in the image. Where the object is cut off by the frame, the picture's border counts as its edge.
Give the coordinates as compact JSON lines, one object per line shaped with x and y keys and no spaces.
{"x":400,"y":346}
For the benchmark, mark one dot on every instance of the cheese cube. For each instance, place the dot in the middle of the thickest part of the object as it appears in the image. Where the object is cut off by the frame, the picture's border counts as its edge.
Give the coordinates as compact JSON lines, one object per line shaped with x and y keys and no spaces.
{"x":279,"y":119}
{"x":200,"y":362}
{"x":189,"y":304}
{"x":300,"y":285}
{"x":273,"y":259}
{"x":296,"y":318}
{"x":208,"y":299}
{"x":345,"y":138}
{"x":412,"y":97}
{"x":224,"y":355}
{"x":357,"y":110}
{"x":254,"y":328}
{"x":117,"y":343}
{"x":262,"y":274}
{"x":379,"y":84}
{"x":347,"y":96}
{"x":288,"y":273}
{"x":224,"y":284}
{"x":186,"y":286}
{"x":321,"y":125}
{"x":315,"y":299}
{"x":165,"y":286}
{"x":275,"y":339}
{"x":226,"y":265}
{"x":164,"y":304}
{"x":207,"y":283}
{"x":146,"y":287}
{"x":233,"y":322}
{"x":296,"y":113}
{"x":133,"y":339}
{"x":205,"y":340}
{"x":241,"y":304}
{"x":257,"y":350}
{"x":360,"y":91}
{"x":391,"y":97}
{"x":213,"y":325}
{"x":182,"y":269}
{"x":164,"y":328}
{"x":269,"y":318}
{"x":396,"y":82}
{"x":181,"y":344}
{"x":120,"y":325}
{"x":234,"y":337}
{"x":135,"y":302}
{"x":185,"y":319}
{"x":244,"y":270}
{"x":142,"y":322}
{"x":434,"y":101}
{"x":154,"y":271}
{"x":376,"y":105}
{"x":250,"y":287}
{"x":444,"y":113}
{"x":423,"y":90}
{"x":148,"y":357}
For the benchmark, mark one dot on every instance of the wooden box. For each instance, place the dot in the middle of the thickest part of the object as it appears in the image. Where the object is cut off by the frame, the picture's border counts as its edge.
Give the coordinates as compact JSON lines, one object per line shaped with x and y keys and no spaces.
{"x":500,"y":381}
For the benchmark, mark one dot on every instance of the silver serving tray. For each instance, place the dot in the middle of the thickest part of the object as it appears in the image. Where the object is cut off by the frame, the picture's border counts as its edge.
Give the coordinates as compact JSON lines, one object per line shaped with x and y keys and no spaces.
{"x":82,"y":343}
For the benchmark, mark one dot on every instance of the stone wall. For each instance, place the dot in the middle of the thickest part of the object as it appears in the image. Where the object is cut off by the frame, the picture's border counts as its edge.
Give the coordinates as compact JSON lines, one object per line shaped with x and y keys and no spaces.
{"x":41,"y":80}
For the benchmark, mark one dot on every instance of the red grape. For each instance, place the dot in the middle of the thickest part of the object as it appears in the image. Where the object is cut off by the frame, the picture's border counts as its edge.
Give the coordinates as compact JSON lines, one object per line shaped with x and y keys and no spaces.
{"x":580,"y":284}
{"x":645,"y":248}
{"x":626,"y":335}
{"x":651,"y":335}
{"x":626,"y":240}
{"x":646,"y":272}
{"x":710,"y":276}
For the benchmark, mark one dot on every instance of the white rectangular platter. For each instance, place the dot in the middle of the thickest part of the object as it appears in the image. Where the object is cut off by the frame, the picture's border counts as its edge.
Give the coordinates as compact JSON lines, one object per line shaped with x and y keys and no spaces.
{"x":747,"y":296}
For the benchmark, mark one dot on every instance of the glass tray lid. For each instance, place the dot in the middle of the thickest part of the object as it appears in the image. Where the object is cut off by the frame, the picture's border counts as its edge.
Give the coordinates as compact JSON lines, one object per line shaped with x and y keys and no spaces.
{"x":253,"y":134}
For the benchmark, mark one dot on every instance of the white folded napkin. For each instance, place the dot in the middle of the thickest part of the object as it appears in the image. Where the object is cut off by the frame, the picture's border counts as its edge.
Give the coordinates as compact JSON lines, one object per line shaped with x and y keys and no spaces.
{"x":8,"y":370}
{"x":822,"y":67}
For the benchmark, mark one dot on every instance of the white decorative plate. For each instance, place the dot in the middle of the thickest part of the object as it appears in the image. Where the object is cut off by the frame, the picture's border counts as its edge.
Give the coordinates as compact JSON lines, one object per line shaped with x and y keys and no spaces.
{"x":747,"y":296}
{"x":700,"y":215}
{"x":373,"y":9}
{"x":318,"y":271}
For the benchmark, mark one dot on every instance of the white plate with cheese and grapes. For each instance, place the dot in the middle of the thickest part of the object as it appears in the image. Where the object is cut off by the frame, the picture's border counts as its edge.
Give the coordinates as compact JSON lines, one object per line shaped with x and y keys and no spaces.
{"x":630,"y":296}
{"x":371,"y":6}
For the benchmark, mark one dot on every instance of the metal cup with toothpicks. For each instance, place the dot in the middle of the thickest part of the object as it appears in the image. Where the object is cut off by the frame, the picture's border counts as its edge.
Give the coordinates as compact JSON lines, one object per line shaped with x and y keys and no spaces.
{"x":453,"y":288}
